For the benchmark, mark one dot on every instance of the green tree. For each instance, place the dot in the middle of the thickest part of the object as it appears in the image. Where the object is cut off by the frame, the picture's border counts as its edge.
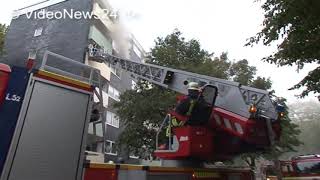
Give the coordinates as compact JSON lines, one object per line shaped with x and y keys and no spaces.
{"x":296,"y":24}
{"x":142,"y":110}
{"x":242,"y":72}
{"x":3,"y":31}
{"x":289,"y":142}
{"x":175,"y":52}
{"x":261,"y":83}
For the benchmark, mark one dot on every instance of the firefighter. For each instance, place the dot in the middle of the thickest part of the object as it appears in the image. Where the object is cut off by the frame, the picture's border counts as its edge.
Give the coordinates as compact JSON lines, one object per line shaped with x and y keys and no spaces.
{"x":185,"y":107}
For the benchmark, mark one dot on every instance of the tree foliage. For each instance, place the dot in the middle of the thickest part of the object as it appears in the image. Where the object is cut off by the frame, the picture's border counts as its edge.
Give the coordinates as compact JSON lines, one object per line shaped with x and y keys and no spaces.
{"x":289,"y":141}
{"x":242,"y":72}
{"x":3,"y":31}
{"x":296,"y":24}
{"x":261,"y":83}
{"x":307,"y":116}
{"x":142,"y":110}
{"x":175,"y":52}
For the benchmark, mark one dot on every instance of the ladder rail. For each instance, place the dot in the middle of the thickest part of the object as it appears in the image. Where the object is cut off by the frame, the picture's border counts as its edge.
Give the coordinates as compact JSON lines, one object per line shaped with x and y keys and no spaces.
{"x":232,"y":96}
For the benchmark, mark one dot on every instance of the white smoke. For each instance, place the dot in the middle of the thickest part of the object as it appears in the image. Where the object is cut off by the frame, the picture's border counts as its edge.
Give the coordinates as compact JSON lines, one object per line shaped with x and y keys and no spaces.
{"x":121,"y":38}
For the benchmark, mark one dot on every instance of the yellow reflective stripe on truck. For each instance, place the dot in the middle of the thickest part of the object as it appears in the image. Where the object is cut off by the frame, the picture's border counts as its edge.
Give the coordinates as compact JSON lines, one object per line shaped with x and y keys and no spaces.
{"x":204,"y":174}
{"x":298,"y":178}
{"x":102,"y":166}
{"x":63,"y":79}
{"x":130,"y":167}
{"x":116,"y":166}
{"x":170,"y":169}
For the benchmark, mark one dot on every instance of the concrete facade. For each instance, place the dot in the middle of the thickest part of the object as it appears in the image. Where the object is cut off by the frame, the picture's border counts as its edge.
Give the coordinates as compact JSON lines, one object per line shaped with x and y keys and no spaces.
{"x":67,"y":37}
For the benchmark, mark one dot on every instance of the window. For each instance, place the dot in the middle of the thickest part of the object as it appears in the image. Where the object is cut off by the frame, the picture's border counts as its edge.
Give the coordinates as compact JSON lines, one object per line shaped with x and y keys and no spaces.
{"x":114,"y":93}
{"x":115,"y":46}
{"x":90,"y":128}
{"x":99,"y":147}
{"x":110,"y":148}
{"x":285,"y":169}
{"x":99,"y":131}
{"x":136,"y":51}
{"x":95,"y":129}
{"x":100,"y":39}
{"x":290,"y":168}
{"x":38,"y":32}
{"x":116,"y":71}
{"x":308,"y":167}
{"x":104,"y":96}
{"x":133,"y":156}
{"x":112,"y":119}
{"x":133,"y":84}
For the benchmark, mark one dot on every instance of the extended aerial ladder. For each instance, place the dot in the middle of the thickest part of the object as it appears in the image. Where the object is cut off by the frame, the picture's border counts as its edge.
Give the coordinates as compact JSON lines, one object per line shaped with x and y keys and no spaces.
{"x":245,"y":117}
{"x":232,"y":97}
{"x":45,"y":115}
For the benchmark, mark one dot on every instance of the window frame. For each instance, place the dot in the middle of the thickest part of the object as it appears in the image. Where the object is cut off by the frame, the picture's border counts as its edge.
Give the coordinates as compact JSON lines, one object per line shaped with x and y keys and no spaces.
{"x":111,"y":93}
{"x":112,"y":143}
{"x":114,"y":122}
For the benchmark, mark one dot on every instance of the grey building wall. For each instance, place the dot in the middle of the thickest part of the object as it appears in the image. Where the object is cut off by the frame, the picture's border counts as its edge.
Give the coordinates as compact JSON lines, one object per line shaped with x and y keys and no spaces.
{"x":132,"y":53}
{"x":112,"y":133}
{"x":67,"y":37}
{"x":121,"y":84}
{"x":125,"y":81}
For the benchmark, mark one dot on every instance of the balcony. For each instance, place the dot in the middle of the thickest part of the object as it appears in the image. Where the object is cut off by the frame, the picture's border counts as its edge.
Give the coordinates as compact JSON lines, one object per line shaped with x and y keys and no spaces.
{"x":103,"y":15}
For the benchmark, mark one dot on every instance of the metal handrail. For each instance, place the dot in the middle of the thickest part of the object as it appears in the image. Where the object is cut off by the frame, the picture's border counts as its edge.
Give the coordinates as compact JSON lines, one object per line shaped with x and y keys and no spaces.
{"x":91,"y":70}
{"x":166,"y":119}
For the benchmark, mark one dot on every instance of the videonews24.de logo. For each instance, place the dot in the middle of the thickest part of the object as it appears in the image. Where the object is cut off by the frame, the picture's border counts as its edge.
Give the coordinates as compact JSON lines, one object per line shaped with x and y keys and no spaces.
{"x":72,"y":14}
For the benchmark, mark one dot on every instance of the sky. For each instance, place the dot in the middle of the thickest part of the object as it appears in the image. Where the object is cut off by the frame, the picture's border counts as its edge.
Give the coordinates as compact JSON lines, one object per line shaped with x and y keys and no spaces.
{"x":219,"y":25}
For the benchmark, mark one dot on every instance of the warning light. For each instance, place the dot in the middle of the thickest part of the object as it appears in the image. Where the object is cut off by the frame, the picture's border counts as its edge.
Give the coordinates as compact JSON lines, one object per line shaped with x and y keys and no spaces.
{"x":281,"y":114}
{"x":281,"y":110}
{"x":253,"y":109}
{"x":31,"y":59}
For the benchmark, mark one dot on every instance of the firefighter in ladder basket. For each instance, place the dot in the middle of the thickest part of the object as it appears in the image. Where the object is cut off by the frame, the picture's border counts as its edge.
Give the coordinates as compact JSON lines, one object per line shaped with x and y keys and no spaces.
{"x":190,"y":110}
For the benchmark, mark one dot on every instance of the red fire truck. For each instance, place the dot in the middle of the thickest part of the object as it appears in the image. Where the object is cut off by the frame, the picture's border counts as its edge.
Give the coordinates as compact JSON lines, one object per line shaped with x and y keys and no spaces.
{"x":45,"y":113}
{"x":301,"y":167}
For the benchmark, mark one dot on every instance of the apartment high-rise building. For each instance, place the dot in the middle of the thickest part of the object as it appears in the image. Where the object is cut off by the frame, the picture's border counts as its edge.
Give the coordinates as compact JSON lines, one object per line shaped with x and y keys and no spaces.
{"x":67,"y":27}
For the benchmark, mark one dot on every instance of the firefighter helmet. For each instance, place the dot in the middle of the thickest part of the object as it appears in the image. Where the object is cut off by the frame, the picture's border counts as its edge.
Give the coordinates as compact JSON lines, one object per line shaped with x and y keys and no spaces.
{"x":193,"y":86}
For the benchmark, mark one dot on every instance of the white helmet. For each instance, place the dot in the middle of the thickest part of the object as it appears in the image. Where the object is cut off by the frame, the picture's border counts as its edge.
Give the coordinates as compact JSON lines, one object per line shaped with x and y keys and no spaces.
{"x":193,"y":86}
